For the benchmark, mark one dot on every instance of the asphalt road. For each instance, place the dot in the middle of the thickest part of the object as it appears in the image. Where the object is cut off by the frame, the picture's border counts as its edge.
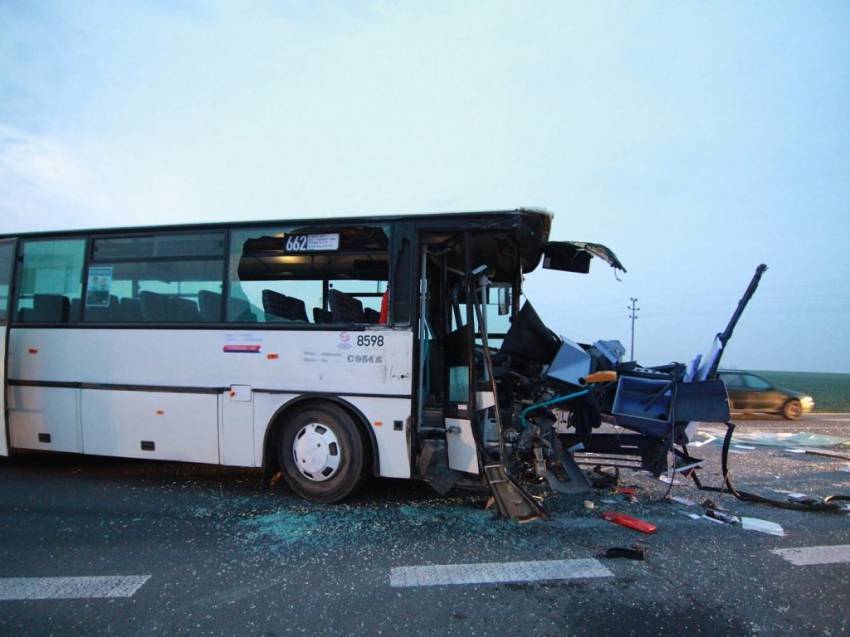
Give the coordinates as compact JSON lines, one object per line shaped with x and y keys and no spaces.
{"x":224,"y":558}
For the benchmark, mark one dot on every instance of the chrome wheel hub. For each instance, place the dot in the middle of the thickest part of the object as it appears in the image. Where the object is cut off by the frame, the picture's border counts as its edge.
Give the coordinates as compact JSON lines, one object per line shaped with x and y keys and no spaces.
{"x":316,"y":452}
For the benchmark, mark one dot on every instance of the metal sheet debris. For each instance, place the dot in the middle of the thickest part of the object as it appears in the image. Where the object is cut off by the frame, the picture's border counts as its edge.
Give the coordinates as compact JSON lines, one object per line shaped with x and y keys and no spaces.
{"x":762,"y":526}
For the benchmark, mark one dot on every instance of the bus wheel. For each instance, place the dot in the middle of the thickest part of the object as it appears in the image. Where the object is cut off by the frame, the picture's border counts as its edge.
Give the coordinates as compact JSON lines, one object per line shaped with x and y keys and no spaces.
{"x":321,"y":453}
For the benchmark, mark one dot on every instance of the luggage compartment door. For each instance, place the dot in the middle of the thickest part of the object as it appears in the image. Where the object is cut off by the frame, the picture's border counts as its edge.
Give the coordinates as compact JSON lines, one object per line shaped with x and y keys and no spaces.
{"x":7,"y":262}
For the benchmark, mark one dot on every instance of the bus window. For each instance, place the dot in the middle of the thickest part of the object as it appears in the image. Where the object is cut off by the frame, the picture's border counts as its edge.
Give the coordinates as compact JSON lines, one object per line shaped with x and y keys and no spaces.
{"x":497,"y":314}
{"x":367,"y":293}
{"x":50,"y":282}
{"x":156,"y":279}
{"x":325,"y":276}
{"x":6,"y":250}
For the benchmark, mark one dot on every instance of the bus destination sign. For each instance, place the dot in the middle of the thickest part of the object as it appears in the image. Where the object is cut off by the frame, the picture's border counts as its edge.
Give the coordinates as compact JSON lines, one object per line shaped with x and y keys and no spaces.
{"x":312,"y":242}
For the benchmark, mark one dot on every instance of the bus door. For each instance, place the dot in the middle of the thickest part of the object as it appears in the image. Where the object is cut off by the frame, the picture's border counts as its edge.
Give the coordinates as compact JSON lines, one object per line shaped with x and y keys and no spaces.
{"x":446,"y":350}
{"x":7,"y":261}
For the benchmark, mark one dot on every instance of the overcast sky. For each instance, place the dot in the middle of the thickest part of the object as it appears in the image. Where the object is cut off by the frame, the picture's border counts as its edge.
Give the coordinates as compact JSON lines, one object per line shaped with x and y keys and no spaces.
{"x":696,"y":140}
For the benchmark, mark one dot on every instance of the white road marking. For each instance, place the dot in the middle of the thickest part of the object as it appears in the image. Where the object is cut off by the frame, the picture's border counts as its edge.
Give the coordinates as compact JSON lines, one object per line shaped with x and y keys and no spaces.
{"x":812,"y":555}
{"x":496,"y":572}
{"x":18,"y":588}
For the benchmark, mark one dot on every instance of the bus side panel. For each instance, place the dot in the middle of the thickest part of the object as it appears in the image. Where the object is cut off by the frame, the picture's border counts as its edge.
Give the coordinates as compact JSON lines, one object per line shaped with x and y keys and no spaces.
{"x":46,"y":418}
{"x":369,"y":362}
{"x":156,"y":425}
{"x":4,"y":450}
{"x":211,"y":364}
{"x":236,"y":427}
{"x":381,"y":413}
{"x":389,"y":419}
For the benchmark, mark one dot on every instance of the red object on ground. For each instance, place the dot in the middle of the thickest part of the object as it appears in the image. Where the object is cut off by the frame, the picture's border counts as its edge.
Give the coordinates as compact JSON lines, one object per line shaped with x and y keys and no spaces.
{"x":630,"y":491}
{"x":629,"y":522}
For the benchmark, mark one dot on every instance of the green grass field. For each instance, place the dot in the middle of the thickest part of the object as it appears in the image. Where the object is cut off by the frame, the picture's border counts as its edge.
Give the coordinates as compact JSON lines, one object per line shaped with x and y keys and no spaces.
{"x":830,"y":391}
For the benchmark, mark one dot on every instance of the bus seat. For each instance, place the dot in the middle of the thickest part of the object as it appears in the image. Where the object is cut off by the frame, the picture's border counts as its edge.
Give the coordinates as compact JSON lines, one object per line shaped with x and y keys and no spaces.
{"x":75,"y":309}
{"x":51,"y":308}
{"x":285,"y":307}
{"x":183,"y":310}
{"x":345,"y":308}
{"x":129,"y":311}
{"x":239,"y":310}
{"x":321,"y":316}
{"x":209,"y":304}
{"x":108,"y":312}
{"x":154,"y":307}
{"x":372,"y":316}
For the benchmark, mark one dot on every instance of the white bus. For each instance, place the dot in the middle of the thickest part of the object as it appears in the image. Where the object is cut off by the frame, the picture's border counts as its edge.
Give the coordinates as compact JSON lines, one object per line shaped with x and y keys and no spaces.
{"x":323,"y":349}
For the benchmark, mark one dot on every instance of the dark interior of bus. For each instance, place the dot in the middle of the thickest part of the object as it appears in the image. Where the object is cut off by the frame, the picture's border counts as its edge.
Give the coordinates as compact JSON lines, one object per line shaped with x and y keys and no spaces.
{"x":345,"y":286}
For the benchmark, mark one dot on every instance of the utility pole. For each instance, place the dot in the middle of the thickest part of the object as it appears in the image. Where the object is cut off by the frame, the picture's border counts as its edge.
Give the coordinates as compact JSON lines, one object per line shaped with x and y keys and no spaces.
{"x":634,"y":309}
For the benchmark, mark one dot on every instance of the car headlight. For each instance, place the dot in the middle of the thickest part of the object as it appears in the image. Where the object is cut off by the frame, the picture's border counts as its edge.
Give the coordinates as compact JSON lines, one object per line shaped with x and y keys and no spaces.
{"x":807,"y":400}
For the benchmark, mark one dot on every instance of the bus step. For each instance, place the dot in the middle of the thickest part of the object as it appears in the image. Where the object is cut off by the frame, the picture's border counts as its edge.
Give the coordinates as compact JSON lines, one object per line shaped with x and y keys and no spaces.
{"x":513,"y":501}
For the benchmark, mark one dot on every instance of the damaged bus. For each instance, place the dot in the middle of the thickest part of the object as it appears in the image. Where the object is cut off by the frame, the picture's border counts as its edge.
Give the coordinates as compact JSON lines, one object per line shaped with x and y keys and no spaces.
{"x":328,"y":349}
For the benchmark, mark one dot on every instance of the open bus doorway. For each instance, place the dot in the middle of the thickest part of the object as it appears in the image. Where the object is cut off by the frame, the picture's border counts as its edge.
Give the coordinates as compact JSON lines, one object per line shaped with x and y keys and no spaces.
{"x":457,"y":401}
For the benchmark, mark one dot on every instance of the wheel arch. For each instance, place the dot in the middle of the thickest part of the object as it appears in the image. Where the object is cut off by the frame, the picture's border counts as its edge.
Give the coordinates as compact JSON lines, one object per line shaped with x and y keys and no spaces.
{"x":270,"y":437}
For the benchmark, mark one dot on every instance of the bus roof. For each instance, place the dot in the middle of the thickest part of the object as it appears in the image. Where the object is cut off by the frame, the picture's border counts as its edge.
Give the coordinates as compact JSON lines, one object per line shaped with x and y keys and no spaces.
{"x":537,"y":221}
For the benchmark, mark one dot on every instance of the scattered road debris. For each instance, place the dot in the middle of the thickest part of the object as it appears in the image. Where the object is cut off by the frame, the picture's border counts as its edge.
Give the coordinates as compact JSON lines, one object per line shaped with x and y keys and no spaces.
{"x":634,"y":553}
{"x":762,"y":526}
{"x":726,"y":518}
{"x":785,"y":439}
{"x":629,"y":522}
{"x":701,"y":443}
{"x":672,"y":481}
{"x":629,"y":493}
{"x":802,"y":498}
{"x":680,"y":500}
{"x":589,"y":505}
{"x":602,"y":479}
{"x":818,"y":452}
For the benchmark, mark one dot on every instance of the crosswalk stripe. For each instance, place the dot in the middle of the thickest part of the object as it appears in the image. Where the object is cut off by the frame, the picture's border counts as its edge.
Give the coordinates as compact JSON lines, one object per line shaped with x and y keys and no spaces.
{"x":19,"y":588}
{"x":496,"y":572}
{"x":811,"y":555}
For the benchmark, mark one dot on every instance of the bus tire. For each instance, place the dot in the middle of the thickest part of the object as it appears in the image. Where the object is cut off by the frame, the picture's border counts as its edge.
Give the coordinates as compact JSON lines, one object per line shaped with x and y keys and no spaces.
{"x":321,"y":453}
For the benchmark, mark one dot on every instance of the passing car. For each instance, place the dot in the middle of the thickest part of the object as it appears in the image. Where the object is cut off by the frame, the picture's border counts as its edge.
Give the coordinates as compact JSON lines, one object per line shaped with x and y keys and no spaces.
{"x":750,"y":393}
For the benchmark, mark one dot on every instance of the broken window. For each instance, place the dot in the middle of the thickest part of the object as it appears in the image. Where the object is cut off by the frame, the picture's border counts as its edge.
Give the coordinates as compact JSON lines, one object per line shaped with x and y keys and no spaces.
{"x":304,"y":275}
